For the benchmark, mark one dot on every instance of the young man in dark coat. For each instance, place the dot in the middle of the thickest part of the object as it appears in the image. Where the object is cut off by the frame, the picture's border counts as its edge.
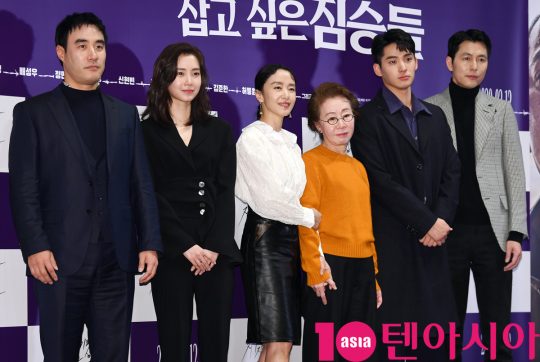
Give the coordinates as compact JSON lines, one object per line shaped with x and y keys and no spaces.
{"x":413,"y":169}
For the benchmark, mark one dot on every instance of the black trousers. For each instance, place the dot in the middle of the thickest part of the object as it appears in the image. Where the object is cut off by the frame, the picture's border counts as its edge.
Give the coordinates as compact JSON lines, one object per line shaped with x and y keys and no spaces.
{"x":354,"y":301}
{"x":99,"y":295}
{"x":173,"y":288}
{"x":475,"y":248}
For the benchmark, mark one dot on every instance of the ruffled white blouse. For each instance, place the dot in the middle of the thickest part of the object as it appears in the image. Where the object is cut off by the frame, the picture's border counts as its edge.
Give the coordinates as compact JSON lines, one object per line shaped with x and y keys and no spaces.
{"x":270,"y":174}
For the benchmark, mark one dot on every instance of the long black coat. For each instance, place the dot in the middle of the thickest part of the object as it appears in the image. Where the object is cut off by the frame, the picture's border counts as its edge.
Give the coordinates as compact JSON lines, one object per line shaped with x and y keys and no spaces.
{"x":194,"y":186}
{"x":410,"y":186}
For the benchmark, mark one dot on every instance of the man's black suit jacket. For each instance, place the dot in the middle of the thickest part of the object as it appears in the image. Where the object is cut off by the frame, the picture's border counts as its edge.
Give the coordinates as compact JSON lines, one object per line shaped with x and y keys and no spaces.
{"x":52,"y":186}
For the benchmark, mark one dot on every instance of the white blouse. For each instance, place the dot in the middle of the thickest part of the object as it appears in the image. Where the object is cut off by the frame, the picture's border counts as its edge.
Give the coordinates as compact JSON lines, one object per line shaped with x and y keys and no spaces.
{"x":270,"y":174}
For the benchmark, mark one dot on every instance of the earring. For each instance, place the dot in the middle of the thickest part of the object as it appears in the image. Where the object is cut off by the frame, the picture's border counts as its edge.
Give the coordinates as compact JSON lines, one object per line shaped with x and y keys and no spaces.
{"x":260,"y":109}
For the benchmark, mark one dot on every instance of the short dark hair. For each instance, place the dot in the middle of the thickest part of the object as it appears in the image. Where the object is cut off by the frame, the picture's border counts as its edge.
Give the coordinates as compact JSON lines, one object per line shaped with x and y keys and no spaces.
{"x":326,"y":91}
{"x":264,"y":73}
{"x":75,"y":21}
{"x":473,"y":35}
{"x":402,"y":39}
{"x":165,"y":71}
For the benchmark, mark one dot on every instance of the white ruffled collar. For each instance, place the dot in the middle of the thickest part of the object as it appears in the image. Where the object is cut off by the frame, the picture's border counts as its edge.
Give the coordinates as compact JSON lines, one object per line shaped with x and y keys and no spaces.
{"x":282,"y":136}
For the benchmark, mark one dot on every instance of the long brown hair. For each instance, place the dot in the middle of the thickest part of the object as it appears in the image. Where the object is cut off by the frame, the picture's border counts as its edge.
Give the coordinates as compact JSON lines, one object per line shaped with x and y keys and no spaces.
{"x":165,"y":70}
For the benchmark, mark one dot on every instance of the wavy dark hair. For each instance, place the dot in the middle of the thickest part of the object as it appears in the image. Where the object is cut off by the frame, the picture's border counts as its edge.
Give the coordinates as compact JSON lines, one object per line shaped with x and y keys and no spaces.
{"x":165,"y":70}
{"x":326,"y":91}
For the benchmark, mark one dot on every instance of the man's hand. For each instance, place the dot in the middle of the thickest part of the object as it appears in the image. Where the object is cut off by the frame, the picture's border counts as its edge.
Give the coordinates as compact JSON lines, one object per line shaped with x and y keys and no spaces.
{"x":438,"y":233}
{"x":199,"y":259}
{"x":43,"y":266}
{"x":513,"y":255}
{"x":429,"y":242}
{"x":149,"y":259}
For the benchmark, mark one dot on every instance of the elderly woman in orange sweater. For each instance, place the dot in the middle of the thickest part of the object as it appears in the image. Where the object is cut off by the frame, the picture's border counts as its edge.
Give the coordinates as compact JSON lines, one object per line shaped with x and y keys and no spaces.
{"x":341,"y":255}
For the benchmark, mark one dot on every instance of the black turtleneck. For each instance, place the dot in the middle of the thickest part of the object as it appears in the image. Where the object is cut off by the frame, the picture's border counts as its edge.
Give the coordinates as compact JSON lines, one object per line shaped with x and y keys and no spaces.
{"x":471,"y":209}
{"x":89,"y":113}
{"x":87,"y":108}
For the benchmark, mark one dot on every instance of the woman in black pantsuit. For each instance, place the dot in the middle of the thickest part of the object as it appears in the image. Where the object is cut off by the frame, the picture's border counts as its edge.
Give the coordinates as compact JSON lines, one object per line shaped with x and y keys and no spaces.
{"x":193,"y":161}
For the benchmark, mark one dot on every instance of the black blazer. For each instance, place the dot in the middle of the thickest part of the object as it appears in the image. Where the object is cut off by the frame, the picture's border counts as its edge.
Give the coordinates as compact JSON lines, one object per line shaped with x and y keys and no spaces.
{"x":52,"y":188}
{"x":411,"y":185}
{"x":194,"y":186}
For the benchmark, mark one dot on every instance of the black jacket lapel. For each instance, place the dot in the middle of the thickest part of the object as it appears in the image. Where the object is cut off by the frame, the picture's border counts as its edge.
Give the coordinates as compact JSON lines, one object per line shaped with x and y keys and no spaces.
{"x":172,"y":138}
{"x":200,"y":132}
{"x":62,"y":113}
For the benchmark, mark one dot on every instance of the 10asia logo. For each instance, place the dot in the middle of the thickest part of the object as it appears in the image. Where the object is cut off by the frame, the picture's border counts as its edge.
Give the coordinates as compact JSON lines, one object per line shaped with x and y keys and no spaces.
{"x":356,"y":341}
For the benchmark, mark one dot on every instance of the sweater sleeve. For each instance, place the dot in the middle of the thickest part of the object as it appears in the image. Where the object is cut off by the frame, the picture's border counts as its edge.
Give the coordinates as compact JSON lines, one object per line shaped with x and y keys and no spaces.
{"x":309,"y":238}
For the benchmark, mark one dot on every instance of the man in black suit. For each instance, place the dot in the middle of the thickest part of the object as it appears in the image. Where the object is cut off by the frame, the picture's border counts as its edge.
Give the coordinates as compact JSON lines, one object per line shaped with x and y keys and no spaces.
{"x":413,"y":169}
{"x":82,"y":201}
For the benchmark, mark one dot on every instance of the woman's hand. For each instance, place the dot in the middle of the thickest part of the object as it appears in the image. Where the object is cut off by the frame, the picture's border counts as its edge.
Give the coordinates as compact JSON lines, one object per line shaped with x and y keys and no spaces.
{"x":325,"y":268}
{"x":212,"y":255}
{"x":318,"y":217}
{"x":198,"y":258}
{"x":320,"y":289}
{"x":379,"y":298}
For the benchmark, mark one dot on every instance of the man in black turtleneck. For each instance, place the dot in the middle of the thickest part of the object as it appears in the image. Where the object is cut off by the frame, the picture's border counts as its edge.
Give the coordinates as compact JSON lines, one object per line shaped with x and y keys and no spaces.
{"x":490,"y":221}
{"x":82,"y":201}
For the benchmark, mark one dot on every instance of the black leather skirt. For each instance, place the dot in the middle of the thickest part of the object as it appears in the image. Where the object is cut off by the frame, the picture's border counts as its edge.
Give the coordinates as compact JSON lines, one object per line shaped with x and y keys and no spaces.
{"x":271,"y":275}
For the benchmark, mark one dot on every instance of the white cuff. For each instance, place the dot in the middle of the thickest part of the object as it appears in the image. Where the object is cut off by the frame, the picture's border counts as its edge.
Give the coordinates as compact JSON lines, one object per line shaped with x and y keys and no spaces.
{"x":309,"y":218}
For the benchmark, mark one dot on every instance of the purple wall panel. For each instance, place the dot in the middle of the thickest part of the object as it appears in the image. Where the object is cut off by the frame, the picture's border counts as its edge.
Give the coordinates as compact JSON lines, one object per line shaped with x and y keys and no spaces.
{"x":13,"y":341}
{"x":8,"y":239}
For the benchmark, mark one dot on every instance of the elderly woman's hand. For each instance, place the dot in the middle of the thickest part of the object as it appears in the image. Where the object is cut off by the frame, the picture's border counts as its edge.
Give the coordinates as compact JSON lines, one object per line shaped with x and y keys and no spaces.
{"x":320,"y":289}
{"x":325,"y":268}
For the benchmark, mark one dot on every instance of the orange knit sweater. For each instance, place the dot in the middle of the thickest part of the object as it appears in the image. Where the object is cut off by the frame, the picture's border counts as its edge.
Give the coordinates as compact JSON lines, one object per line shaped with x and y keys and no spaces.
{"x":337,"y":186}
